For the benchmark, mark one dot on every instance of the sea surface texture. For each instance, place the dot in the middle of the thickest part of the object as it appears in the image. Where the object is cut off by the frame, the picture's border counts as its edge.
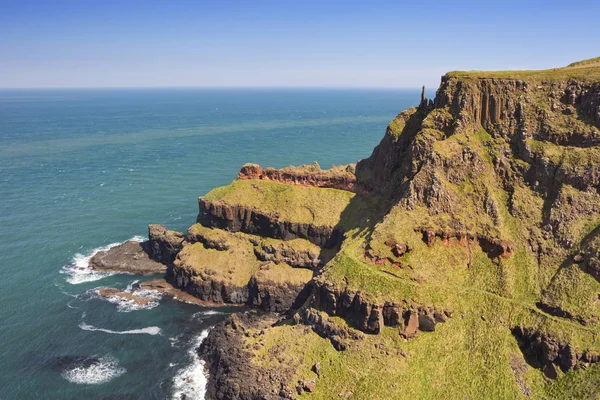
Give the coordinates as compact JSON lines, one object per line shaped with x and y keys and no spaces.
{"x":81,"y":170}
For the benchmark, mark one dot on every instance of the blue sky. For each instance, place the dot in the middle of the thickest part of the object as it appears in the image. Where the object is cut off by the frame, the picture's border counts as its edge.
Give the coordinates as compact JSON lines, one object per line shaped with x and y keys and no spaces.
{"x":107,"y":43}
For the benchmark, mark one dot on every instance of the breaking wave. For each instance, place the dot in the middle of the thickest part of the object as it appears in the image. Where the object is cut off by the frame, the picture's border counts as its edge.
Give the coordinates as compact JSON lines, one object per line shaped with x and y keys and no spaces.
{"x":190,"y":382}
{"x":79,"y":271}
{"x":151,"y":330}
{"x":95,"y":372}
{"x":145,"y":299}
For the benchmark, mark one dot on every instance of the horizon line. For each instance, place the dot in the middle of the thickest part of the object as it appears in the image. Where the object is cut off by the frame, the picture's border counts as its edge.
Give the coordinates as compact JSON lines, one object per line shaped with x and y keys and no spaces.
{"x":213,"y":87}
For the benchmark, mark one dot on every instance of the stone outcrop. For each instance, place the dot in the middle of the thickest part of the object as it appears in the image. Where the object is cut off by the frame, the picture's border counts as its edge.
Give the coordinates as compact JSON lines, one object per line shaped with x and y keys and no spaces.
{"x":509,"y":105}
{"x":144,"y":293}
{"x":276,"y":296}
{"x":286,"y":254}
{"x":493,"y":247}
{"x":212,"y":290}
{"x":164,"y":244}
{"x":371,"y":317}
{"x":236,"y":218}
{"x":342,"y":177}
{"x":130,"y":257}
{"x":259,"y":292}
{"x":233,"y":375}
{"x":322,"y":326}
{"x":548,"y":353}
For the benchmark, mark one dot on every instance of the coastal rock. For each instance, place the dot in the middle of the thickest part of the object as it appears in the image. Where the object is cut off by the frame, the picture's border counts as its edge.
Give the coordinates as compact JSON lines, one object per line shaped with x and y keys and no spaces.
{"x":237,"y":218}
{"x":302,"y":256}
{"x":337,"y":177}
{"x":324,"y":327}
{"x":277,"y":295}
{"x":232,"y":374}
{"x":164,"y":244}
{"x":236,"y":276}
{"x":130,"y":257}
{"x":138,"y":294}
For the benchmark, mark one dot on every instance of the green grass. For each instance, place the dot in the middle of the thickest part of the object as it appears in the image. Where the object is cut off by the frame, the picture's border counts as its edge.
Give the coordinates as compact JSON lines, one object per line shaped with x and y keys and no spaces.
{"x":236,"y":265}
{"x":319,"y":206}
{"x":575,"y":159}
{"x":574,"y":291}
{"x":587,"y":71}
{"x":470,"y":355}
{"x":595,"y":60}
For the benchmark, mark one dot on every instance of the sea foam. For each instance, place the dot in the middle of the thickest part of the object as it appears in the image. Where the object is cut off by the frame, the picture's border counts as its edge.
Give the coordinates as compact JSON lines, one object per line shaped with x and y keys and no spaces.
{"x":190,"y":382}
{"x":127,"y":305}
{"x":97,"y":372}
{"x":79,"y":270}
{"x":151,"y":330}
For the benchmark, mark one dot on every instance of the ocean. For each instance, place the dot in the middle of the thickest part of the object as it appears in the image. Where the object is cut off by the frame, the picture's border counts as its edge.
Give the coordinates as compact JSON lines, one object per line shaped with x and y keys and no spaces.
{"x":82,"y":169}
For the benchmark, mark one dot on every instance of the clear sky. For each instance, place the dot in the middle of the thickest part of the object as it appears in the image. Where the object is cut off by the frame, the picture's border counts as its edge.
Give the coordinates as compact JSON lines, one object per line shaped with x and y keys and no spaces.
{"x":367,"y":43}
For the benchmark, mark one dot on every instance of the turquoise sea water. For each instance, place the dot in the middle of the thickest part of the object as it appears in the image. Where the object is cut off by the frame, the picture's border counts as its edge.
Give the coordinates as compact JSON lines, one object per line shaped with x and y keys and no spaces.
{"x":81,"y":169}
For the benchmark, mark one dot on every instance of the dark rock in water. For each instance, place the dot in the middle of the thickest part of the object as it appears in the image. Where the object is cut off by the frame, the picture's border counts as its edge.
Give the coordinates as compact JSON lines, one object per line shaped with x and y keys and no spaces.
{"x":129,"y":257}
{"x":68,"y":362}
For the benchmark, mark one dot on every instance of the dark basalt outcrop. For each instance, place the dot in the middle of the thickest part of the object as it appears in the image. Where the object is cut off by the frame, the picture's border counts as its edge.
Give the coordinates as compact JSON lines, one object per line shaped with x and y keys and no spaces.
{"x":236,"y":218}
{"x":138,"y":293}
{"x":288,"y":255}
{"x":370,"y":317}
{"x":268,"y":295}
{"x":130,"y":257}
{"x":341,"y":177}
{"x":260,"y":292}
{"x":164,"y":244}
{"x":233,"y":376}
{"x":323,"y":327}
{"x":210,"y":290}
{"x":548,"y":353}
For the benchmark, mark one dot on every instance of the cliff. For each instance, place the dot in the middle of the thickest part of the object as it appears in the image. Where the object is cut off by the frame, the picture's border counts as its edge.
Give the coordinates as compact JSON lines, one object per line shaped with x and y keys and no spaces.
{"x":460,"y":260}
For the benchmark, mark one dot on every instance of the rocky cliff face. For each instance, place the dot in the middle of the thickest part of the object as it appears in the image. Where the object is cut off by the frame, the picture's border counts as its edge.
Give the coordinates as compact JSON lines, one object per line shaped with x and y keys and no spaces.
{"x":237,"y":218}
{"x":461,"y":259}
{"x":340,"y":177}
{"x":489,"y":201}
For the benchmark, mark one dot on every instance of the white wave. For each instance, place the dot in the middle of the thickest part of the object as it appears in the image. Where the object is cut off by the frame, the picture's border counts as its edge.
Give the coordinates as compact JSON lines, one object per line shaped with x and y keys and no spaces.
{"x":200,"y":314}
{"x":127,"y":305}
{"x":79,"y":270}
{"x":151,"y":330}
{"x":190,"y":382}
{"x":97,"y":372}
{"x":129,"y":287}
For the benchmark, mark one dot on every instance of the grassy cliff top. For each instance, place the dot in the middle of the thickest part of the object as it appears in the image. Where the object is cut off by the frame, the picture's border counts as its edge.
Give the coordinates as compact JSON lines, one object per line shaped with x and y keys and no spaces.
{"x":322,"y":207}
{"x":585,"y":70}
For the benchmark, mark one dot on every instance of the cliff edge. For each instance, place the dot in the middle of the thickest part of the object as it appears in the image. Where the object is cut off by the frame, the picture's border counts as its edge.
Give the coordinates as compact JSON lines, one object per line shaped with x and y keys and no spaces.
{"x":460,"y":260}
